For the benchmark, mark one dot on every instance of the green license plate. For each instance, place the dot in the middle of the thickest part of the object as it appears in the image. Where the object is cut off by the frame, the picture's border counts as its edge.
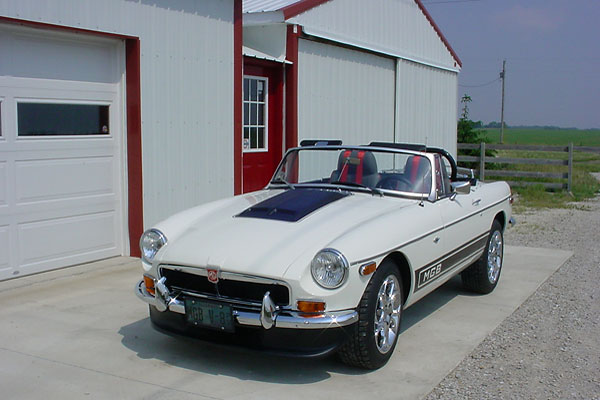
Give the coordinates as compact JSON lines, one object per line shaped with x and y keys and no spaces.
{"x":209,"y":315}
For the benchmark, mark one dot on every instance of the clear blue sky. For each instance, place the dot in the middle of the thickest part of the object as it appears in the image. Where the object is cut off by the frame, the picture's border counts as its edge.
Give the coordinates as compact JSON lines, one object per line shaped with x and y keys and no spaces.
{"x":552,"y":51}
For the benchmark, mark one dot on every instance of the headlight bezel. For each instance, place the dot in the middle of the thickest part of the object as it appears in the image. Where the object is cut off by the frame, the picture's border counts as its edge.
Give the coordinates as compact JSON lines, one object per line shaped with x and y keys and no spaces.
{"x":159,"y":241}
{"x":316,"y":268}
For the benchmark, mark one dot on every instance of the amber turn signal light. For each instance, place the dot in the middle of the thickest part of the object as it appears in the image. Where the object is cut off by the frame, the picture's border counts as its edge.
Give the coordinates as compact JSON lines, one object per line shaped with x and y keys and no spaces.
{"x":367,"y":269}
{"x":311,"y":306}
{"x":149,"y":282}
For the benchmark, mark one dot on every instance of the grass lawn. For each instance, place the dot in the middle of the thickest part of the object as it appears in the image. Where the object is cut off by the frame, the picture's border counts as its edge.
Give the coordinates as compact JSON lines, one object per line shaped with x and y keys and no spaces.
{"x":584,"y":185}
{"x":549,"y":137}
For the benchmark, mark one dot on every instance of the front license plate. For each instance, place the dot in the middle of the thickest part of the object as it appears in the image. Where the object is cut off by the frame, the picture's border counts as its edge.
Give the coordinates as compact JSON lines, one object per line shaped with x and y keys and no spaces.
{"x":209,"y":315}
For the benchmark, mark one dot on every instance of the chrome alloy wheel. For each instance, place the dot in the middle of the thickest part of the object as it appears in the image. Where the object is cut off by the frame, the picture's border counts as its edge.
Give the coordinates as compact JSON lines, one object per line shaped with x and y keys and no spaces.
{"x":494,"y":257}
{"x":387,"y":314}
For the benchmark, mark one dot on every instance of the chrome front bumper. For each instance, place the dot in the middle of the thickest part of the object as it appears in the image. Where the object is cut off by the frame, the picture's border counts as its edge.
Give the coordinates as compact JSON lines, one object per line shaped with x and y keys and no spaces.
{"x":268,"y":317}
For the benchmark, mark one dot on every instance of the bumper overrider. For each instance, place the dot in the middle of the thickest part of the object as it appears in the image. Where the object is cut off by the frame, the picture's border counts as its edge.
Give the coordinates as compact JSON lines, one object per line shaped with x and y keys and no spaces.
{"x":273,"y":327}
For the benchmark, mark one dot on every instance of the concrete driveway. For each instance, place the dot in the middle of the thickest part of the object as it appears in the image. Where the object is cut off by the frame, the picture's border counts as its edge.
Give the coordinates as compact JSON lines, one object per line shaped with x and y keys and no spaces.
{"x":81,"y":333}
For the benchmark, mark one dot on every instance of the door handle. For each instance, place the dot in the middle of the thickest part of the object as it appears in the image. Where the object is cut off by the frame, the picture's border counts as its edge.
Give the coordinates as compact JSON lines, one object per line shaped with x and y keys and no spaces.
{"x":436,"y":240}
{"x":476,"y":202}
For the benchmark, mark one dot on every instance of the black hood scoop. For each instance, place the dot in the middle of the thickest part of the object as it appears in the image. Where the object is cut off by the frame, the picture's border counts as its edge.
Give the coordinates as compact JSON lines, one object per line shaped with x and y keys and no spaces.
{"x":292,"y":205}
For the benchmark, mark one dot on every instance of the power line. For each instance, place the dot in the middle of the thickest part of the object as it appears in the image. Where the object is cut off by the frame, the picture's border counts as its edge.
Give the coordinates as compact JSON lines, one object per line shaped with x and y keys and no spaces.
{"x":448,"y":1}
{"x":482,"y":85}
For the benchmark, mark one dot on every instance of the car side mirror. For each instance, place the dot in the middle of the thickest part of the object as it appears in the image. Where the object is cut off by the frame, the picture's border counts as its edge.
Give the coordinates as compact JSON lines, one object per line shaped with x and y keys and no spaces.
{"x":462,"y":187}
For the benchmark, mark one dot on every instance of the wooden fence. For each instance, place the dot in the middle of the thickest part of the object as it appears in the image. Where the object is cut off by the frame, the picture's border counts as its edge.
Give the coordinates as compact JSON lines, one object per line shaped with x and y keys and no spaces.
{"x":566,"y":178}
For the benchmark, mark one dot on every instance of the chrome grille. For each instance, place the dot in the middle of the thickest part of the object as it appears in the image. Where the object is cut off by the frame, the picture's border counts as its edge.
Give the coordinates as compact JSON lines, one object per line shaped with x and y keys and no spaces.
{"x":246,"y":289}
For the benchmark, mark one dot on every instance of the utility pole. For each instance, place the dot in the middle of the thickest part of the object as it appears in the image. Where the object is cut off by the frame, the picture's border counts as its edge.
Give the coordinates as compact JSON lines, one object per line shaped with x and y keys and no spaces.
{"x":503,"y":77}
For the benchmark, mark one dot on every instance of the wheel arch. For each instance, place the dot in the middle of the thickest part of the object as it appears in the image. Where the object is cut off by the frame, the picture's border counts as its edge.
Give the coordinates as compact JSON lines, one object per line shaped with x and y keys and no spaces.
{"x":501,"y":218}
{"x":401,"y":262}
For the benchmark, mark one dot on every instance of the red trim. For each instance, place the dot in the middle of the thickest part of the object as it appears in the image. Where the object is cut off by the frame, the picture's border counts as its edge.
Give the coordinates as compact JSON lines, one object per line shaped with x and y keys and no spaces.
{"x":134,"y":144}
{"x":438,"y":31}
{"x":359,"y":169}
{"x":300,"y":7}
{"x":238,"y":75}
{"x":291,"y":87}
{"x":133,"y":108}
{"x":63,"y":28}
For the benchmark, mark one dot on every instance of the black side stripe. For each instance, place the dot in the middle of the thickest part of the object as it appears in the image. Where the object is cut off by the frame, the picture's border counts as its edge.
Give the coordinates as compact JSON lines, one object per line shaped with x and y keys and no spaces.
{"x":431,"y":272}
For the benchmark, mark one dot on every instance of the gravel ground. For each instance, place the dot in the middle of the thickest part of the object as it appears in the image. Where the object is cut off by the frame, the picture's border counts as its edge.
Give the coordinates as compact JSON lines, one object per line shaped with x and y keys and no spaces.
{"x":549,"y":348}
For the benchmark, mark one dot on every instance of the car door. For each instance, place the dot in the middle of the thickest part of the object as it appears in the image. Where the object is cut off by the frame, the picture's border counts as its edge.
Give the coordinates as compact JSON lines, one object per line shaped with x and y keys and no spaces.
{"x":465,"y":226}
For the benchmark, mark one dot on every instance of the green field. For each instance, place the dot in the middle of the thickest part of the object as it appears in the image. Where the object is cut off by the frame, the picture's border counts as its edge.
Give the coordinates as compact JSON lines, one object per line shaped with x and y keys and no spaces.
{"x":551,"y":137}
{"x":585,"y":186}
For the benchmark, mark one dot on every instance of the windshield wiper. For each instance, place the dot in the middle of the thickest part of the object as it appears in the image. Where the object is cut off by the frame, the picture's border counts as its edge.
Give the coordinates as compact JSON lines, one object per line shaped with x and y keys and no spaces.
{"x":370,"y":189}
{"x":281,"y":180}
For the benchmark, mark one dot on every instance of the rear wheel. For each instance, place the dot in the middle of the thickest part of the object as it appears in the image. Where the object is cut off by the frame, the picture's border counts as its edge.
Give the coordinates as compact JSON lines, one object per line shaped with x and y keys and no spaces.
{"x":483,"y":275}
{"x":375,"y":335}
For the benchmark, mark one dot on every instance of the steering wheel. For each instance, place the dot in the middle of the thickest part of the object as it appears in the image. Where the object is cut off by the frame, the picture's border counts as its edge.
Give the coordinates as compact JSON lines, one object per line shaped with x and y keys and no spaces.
{"x":395,"y":182}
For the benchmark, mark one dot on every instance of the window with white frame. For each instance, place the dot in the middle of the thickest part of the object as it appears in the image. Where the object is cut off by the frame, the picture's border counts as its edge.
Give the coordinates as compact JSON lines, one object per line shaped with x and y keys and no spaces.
{"x":255,"y":114}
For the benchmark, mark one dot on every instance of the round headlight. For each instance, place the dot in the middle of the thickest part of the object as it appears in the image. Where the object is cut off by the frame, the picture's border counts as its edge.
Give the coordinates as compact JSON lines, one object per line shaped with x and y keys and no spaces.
{"x":329,"y":268}
{"x":150,"y":243}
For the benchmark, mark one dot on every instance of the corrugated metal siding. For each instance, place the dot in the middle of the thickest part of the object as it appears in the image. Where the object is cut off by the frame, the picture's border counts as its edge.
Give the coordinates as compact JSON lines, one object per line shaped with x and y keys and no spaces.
{"x":391,"y":26}
{"x":250,"y":6}
{"x":427,"y":104}
{"x":187,"y":89}
{"x":344,"y":94}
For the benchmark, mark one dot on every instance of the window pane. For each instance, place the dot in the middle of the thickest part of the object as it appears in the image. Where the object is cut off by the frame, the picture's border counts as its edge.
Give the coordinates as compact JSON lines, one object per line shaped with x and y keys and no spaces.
{"x":246,"y":89}
{"x":261,"y":138}
{"x":41,"y":119}
{"x":253,"y":114}
{"x":261,"y":114}
{"x":253,"y":90}
{"x":261,"y":90}
{"x":246,"y":133}
{"x":253,"y":140}
{"x":246,"y":113}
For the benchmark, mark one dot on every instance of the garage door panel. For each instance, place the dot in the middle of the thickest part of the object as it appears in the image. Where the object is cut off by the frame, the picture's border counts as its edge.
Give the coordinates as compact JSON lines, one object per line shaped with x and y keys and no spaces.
{"x":57,"y":148}
{"x":64,"y":58}
{"x":3,"y":184}
{"x":65,"y":238}
{"x":61,"y":166}
{"x":4,"y":248}
{"x":43,"y":180}
{"x":54,"y":209}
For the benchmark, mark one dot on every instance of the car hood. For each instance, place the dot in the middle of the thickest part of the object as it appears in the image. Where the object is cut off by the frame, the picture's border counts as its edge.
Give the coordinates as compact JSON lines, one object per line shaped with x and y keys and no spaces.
{"x":218,"y":234}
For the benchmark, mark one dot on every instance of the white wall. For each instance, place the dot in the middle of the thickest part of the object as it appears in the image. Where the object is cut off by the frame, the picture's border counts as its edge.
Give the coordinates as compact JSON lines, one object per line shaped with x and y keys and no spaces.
{"x":397,"y":27}
{"x":187,"y":89}
{"x":426,"y":105}
{"x":344,"y":94}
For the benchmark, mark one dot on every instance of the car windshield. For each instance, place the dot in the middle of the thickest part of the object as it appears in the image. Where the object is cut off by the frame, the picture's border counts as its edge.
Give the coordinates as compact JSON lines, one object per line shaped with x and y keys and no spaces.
{"x":357,"y":168}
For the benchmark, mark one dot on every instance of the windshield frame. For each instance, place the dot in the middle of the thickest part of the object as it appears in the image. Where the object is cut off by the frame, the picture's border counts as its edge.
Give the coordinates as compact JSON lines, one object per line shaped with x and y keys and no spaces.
{"x":278,"y":183}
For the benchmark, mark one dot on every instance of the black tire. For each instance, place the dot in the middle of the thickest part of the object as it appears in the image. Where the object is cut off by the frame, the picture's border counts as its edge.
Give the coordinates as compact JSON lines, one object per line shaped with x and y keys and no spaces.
{"x":365,"y":348}
{"x":482,"y":277}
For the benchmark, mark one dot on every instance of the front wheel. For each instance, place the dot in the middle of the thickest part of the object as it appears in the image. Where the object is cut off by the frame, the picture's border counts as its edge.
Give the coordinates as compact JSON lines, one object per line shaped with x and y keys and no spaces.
{"x":375,"y":335}
{"x":482,"y":277}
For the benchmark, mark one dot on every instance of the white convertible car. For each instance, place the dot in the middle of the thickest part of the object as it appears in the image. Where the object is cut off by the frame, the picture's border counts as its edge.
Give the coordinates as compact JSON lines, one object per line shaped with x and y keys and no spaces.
{"x":329,"y":254}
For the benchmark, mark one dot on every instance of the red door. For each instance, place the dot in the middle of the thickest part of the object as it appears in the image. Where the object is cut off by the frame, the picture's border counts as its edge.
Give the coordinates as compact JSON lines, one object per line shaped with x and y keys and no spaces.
{"x":262,"y":132}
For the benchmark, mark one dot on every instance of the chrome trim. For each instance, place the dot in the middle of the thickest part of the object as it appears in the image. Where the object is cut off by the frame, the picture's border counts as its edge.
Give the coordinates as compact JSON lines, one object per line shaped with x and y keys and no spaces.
{"x":282,"y":318}
{"x":267,"y":312}
{"x":224,"y":299}
{"x":345,"y":263}
{"x":163,"y":239}
{"x":225,"y":275}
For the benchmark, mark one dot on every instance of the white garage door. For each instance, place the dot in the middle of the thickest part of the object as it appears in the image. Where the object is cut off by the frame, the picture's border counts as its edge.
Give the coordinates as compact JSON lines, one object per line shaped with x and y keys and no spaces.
{"x":60,"y":151}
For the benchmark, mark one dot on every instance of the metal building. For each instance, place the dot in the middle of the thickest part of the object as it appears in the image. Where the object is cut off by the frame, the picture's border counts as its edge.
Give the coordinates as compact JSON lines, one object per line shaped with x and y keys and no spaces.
{"x":115,"y":114}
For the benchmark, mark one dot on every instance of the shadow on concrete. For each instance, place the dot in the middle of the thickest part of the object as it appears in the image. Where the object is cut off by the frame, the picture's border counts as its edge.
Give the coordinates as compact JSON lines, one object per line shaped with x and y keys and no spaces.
{"x":246,"y":364}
